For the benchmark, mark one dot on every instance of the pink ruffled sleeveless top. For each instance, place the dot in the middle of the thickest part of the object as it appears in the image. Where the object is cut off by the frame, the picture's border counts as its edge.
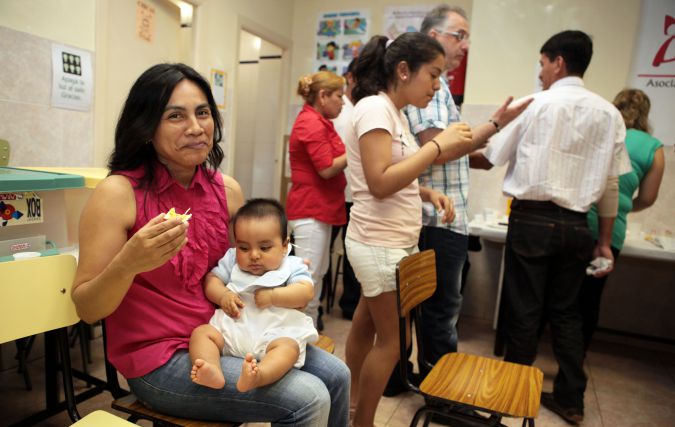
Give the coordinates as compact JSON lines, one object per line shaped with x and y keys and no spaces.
{"x":163,"y":306}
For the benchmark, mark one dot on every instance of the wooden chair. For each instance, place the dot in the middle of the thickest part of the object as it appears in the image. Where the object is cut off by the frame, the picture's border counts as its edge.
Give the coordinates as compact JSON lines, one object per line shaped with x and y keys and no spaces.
{"x":36,"y":299}
{"x":127,"y":402}
{"x":459,"y":383}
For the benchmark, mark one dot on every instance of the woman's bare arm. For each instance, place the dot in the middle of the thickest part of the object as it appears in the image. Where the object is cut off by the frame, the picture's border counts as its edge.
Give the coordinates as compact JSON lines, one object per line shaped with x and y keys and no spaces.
{"x":108,"y":261}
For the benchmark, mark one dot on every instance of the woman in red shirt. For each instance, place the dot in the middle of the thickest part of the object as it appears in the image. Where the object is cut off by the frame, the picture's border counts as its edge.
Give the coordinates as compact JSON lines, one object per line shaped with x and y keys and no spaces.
{"x":316,"y":201}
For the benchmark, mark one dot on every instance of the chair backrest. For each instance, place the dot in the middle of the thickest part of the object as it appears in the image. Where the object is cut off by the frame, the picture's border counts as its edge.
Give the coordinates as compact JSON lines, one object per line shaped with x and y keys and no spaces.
{"x":36,"y":296}
{"x":4,"y":152}
{"x":415,"y":282}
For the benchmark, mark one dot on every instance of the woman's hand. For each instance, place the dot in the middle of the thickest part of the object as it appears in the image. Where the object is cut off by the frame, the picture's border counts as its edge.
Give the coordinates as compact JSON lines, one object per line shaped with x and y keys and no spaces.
{"x":443,"y":205}
{"x":455,"y":140}
{"x":507,"y":112}
{"x":154,"y":244}
{"x":441,"y":202}
{"x":231,"y":303}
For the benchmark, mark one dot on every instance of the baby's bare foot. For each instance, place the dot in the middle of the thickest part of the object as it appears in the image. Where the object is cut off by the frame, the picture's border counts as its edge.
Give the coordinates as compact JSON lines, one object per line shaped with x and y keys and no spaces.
{"x":206,"y":374}
{"x":249,"y":374}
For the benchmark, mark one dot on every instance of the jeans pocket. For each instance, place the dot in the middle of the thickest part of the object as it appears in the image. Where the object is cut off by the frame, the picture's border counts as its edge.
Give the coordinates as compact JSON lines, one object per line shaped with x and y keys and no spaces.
{"x":530,"y":238}
{"x":585,"y":245}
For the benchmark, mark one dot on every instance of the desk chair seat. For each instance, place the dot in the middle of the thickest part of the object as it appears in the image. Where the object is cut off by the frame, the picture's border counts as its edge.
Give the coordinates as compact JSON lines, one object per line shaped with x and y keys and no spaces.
{"x":102,"y":419}
{"x":459,"y":383}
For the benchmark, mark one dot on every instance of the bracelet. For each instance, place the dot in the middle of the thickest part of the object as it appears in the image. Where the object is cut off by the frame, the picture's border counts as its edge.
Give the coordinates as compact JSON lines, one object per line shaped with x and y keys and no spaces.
{"x":437,"y":146}
{"x":494,"y":123}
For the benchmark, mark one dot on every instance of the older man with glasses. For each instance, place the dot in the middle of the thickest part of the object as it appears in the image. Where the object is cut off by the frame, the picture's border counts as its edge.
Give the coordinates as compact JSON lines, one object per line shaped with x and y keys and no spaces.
{"x":450,"y":175}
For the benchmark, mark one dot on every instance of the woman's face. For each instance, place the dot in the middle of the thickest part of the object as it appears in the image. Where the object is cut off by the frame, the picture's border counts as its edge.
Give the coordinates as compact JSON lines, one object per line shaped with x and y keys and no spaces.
{"x":184,"y":136}
{"x":421,"y":85}
{"x":331,"y":105}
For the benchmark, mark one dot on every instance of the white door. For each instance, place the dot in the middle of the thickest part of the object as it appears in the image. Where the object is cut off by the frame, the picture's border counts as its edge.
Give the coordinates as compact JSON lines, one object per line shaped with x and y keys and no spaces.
{"x":258,"y":115}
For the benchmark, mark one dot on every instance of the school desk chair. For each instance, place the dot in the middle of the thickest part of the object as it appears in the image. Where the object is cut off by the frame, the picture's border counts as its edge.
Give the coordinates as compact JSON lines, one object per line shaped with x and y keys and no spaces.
{"x":36,"y":299}
{"x":460,"y":384}
{"x":102,"y":419}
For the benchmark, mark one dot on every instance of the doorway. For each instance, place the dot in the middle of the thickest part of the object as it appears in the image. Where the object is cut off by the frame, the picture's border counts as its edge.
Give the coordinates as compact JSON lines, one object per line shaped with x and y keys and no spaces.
{"x":258,"y":102}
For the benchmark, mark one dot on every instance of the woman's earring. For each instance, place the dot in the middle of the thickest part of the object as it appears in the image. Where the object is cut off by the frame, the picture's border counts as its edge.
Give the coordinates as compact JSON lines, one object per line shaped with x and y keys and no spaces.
{"x":149,"y":141}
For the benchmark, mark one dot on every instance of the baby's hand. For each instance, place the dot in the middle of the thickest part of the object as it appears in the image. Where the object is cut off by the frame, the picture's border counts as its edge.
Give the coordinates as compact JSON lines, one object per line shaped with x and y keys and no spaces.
{"x":231,"y":303}
{"x":263,"y":297}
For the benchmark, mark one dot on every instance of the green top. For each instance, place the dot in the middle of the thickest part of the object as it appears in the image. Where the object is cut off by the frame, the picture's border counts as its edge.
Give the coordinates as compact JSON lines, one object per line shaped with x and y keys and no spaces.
{"x":17,"y":180}
{"x":641,"y":148}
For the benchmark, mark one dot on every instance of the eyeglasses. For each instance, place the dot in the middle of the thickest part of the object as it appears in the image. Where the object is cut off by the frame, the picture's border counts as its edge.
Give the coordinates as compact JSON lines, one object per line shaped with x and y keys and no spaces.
{"x":459,"y":35}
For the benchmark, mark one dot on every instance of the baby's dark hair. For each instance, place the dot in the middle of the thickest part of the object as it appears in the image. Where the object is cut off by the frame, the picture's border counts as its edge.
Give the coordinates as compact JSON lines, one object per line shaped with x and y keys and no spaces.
{"x":263,"y":208}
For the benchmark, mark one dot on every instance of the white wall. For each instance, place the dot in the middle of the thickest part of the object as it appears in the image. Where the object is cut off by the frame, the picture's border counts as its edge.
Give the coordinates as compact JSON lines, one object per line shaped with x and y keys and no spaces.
{"x":217,"y":26}
{"x":506,"y":37}
{"x":122,"y":56}
{"x":65,"y":21}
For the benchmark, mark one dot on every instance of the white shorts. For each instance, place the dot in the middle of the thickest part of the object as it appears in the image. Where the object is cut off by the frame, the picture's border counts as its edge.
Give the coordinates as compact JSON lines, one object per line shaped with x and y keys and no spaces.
{"x":375,"y":266}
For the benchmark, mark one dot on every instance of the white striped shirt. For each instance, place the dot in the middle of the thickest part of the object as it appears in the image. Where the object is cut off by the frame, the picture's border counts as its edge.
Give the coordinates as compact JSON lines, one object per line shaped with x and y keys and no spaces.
{"x":563,"y":147}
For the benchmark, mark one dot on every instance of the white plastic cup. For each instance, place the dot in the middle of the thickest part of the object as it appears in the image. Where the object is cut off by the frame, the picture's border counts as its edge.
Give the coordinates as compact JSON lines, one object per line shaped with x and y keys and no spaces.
{"x":26,"y":255}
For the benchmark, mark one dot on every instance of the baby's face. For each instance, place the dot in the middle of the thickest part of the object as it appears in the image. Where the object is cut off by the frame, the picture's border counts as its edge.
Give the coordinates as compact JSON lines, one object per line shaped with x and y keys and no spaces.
{"x":259,"y":245}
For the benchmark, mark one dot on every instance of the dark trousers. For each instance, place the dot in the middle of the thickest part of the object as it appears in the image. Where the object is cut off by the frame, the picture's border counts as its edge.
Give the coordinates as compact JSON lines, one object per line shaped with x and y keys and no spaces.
{"x":547,"y":251}
{"x":590,"y":296}
{"x":440,"y":312}
{"x":351,"y":288}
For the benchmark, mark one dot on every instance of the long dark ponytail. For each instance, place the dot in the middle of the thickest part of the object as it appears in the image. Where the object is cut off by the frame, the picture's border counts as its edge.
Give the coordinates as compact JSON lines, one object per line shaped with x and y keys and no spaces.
{"x":376,"y":67}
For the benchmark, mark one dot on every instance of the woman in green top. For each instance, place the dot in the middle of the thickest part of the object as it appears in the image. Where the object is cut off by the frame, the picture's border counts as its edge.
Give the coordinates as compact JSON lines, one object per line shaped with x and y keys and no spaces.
{"x":646,"y":155}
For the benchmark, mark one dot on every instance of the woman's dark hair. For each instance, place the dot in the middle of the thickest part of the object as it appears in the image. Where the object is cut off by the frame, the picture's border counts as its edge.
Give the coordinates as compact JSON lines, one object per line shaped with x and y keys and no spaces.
{"x":575,"y":47}
{"x":263,"y":208}
{"x":141,"y":116}
{"x":376,"y":68}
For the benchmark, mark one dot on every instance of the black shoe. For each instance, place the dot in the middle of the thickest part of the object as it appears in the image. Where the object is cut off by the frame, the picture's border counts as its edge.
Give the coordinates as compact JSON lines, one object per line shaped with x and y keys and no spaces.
{"x":572,"y":415}
{"x":319,"y":320}
{"x":395,"y":385}
{"x":349,"y":315}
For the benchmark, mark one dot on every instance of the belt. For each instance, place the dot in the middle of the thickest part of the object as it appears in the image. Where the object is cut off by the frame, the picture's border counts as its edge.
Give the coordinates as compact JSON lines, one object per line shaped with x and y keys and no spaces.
{"x":546,"y":205}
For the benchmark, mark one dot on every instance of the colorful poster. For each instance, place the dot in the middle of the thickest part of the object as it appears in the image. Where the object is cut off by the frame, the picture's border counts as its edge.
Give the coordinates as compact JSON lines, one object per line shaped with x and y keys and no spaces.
{"x":340,"y":37}
{"x":653,"y":68}
{"x":218,"y":86}
{"x":403,"y":19}
{"x":72,"y":78}
{"x":20,"y":208}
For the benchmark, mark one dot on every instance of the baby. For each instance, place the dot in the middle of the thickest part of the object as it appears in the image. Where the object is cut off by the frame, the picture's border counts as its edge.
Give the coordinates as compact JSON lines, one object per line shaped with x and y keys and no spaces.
{"x":257,"y":318}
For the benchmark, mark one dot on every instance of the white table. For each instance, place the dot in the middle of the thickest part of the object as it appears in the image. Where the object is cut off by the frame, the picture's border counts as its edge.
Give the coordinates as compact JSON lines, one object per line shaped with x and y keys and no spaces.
{"x":495,"y":232}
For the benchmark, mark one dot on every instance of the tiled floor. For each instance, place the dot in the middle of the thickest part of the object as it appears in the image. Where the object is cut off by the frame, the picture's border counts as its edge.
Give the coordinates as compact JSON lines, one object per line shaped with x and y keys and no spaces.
{"x":628,"y":386}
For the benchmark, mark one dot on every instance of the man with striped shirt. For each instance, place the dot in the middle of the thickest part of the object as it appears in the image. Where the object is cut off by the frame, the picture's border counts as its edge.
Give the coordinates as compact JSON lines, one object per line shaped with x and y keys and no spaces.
{"x":450,"y":175}
{"x":565,"y":152}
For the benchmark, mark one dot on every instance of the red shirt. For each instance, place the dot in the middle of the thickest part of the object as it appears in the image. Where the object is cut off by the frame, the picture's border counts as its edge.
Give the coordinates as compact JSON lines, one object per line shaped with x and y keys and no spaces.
{"x":313,"y":146}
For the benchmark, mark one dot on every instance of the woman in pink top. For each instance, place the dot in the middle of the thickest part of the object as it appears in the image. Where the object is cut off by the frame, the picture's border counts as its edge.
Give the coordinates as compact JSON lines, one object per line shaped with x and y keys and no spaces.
{"x":387,"y":214}
{"x":144,"y":274}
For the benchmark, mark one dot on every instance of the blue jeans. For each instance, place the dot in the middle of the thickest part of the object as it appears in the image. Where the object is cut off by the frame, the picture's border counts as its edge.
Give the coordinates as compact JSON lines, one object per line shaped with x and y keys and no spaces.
{"x":316,"y":395}
{"x":441,"y":311}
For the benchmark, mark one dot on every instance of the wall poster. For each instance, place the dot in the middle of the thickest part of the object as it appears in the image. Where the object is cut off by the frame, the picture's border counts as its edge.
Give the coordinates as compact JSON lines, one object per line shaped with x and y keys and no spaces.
{"x":219,"y":86}
{"x":72,"y":78}
{"x":340,"y":36}
{"x":653,"y":68}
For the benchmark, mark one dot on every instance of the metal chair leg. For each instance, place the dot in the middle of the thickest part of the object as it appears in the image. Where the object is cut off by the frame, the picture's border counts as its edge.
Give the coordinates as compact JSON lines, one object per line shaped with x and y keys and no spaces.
{"x":69,"y":389}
